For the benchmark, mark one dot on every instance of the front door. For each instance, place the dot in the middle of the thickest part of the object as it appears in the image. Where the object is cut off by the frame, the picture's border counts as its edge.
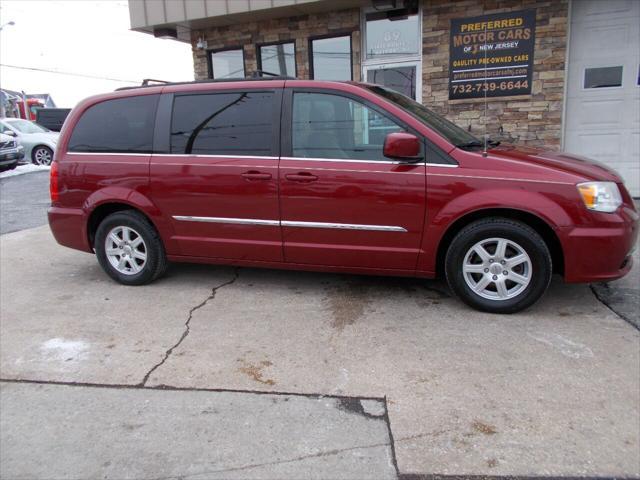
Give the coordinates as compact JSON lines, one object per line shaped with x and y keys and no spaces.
{"x":218,"y":183}
{"x":342,"y":202}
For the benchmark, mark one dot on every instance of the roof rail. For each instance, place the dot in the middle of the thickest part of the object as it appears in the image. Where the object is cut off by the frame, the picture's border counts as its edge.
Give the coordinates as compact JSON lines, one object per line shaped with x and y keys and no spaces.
{"x":256,"y":76}
{"x":147,"y":81}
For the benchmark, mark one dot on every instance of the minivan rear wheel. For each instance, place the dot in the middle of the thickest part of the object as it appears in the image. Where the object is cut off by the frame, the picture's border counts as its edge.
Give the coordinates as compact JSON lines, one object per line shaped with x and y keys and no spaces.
{"x":129,"y":248}
{"x":498,"y":265}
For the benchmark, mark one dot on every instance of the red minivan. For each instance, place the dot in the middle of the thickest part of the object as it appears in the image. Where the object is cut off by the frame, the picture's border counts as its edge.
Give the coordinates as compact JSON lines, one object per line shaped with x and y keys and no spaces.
{"x":329,"y":176}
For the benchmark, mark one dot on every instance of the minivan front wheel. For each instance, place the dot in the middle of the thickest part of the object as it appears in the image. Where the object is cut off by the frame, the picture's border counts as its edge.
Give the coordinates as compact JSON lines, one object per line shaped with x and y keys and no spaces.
{"x":498,"y":265}
{"x":129,"y":248}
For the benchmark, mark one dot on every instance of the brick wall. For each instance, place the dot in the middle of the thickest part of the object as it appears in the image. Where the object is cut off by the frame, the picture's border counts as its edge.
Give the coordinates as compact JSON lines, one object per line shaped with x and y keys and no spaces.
{"x":534,"y":119}
{"x":298,"y":28}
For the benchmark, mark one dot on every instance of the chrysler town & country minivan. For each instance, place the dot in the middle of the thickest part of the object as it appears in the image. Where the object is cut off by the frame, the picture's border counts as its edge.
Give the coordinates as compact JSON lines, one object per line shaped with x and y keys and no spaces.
{"x":329,"y":176}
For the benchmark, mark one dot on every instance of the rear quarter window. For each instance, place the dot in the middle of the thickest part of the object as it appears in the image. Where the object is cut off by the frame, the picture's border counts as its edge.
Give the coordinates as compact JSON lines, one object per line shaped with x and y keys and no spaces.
{"x":122,"y":125}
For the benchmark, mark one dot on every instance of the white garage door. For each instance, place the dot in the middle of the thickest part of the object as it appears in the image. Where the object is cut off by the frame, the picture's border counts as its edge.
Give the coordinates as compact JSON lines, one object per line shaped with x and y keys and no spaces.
{"x":603,"y":101}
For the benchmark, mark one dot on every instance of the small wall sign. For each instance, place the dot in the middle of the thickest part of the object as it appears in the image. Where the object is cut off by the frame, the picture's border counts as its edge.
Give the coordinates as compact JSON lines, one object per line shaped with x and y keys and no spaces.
{"x":492,"y":54}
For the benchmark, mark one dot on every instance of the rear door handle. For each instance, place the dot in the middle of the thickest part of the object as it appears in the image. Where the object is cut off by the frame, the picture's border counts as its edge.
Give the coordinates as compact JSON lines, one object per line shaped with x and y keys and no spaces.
{"x":255,"y":175}
{"x":301,"y":177}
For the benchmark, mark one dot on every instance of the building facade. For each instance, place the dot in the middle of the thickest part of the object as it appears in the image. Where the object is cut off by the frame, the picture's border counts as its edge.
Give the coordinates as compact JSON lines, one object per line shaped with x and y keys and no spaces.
{"x":559,"y":74}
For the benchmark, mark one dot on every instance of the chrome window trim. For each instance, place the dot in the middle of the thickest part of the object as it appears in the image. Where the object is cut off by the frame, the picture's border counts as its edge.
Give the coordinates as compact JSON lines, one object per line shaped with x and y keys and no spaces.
{"x":262,"y":157}
{"x":173,"y":155}
{"x":132,"y":154}
{"x":194,"y":155}
{"x":445,"y":165}
{"x":290,"y":223}
{"x":314,"y":159}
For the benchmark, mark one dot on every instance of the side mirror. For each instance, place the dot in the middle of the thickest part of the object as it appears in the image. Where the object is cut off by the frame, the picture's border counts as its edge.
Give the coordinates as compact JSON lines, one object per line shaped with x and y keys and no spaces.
{"x":11,"y":133}
{"x":402,"y":146}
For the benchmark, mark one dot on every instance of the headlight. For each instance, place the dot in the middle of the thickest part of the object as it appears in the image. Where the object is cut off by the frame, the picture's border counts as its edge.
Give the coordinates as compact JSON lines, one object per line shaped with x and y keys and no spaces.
{"x":600,"y":196}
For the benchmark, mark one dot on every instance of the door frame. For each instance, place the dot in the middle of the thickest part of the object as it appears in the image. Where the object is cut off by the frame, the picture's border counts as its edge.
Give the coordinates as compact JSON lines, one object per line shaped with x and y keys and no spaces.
{"x":396,"y":60}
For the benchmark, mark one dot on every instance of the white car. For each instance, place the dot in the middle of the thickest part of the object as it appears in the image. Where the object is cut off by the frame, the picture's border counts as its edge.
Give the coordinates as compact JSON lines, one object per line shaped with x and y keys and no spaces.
{"x":39,"y":143}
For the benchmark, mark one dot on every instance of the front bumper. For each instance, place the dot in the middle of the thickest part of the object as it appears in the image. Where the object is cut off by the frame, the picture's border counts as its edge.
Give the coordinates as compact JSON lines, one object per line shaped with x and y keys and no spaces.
{"x":10,"y":155}
{"x":601,"y":252}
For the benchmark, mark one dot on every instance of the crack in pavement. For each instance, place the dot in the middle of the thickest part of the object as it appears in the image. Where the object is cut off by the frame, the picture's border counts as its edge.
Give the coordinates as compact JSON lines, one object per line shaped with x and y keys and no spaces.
{"x":276,"y":462}
{"x":187,"y":326}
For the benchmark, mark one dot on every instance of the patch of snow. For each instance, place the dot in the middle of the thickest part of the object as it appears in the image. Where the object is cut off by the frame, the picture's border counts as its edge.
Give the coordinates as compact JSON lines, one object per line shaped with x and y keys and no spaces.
{"x":567,"y":347}
{"x":64,"y":350}
{"x":22,"y":169}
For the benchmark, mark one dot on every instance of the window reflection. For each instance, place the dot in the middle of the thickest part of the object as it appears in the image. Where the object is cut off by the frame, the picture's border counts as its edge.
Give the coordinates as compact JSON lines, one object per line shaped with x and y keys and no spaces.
{"x":331,"y":58}
{"x":278,"y":59}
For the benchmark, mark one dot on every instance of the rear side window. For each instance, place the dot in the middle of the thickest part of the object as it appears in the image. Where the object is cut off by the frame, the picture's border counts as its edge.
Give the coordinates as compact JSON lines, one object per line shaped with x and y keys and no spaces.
{"x":223,"y":124}
{"x":123,"y":125}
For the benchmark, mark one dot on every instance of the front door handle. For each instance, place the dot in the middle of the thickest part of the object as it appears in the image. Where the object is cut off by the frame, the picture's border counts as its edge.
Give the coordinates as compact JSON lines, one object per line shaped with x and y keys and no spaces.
{"x":303,"y":177}
{"x":255,"y":175}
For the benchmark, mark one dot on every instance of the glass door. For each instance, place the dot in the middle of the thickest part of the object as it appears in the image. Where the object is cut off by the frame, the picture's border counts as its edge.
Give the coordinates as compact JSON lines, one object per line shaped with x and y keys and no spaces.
{"x":392,"y":49}
{"x":401,"y":77}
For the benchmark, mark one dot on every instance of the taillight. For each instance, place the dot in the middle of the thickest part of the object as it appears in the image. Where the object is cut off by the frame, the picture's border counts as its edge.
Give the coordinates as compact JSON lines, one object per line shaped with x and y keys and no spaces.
{"x":53,"y":182}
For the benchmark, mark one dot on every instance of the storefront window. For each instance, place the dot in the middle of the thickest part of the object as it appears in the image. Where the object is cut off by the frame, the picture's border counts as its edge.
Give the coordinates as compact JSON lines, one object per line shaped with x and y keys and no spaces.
{"x":388,"y":35}
{"x":227,"y":64}
{"x":331,"y":58}
{"x":279,"y":59}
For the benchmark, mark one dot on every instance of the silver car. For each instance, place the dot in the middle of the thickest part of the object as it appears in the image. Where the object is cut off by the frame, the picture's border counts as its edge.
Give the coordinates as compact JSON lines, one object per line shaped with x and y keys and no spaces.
{"x":39,"y":143}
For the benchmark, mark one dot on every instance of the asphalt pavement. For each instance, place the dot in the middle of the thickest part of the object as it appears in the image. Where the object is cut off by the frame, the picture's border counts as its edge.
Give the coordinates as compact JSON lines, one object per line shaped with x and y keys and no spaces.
{"x":24,"y":200}
{"x":216,"y":372}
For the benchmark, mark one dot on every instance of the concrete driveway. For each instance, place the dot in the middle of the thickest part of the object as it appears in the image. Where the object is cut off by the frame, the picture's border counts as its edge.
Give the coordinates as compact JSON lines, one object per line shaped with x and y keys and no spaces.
{"x":216,"y":372}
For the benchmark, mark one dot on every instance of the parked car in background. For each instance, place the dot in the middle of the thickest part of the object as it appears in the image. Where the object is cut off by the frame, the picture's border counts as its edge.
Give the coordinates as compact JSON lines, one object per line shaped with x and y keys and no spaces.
{"x":39,"y":142}
{"x":10,"y":152}
{"x":329,"y":176}
{"x":52,"y":118}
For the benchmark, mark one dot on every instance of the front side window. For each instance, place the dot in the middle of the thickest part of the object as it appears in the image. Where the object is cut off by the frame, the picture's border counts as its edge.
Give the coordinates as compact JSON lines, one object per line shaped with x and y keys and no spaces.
{"x":227,"y":64}
{"x":223,"y":124}
{"x":333,"y":126}
{"x":331,"y":58}
{"x":278,"y":59}
{"x":453,"y":133}
{"x":123,"y":125}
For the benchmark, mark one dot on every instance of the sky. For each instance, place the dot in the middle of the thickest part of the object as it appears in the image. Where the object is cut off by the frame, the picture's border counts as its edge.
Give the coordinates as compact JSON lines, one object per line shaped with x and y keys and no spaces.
{"x":83,"y":39}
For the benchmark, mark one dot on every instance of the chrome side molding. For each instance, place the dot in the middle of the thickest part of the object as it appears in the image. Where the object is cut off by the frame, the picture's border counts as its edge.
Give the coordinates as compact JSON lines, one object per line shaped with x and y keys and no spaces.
{"x":289,"y":223}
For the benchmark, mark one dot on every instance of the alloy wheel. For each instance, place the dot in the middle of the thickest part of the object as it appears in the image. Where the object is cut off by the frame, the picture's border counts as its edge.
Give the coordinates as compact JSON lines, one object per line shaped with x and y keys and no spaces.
{"x":125,"y":249}
{"x":497,"y":269}
{"x":42,"y":156}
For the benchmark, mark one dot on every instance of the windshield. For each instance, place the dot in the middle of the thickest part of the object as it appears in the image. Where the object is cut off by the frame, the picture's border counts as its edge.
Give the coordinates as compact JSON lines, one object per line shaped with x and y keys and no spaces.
{"x":25,"y":126}
{"x":453,"y":133}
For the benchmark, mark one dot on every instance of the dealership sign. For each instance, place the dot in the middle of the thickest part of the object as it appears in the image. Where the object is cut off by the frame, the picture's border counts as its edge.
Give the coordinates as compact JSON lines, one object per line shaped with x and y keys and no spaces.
{"x":492,"y":55}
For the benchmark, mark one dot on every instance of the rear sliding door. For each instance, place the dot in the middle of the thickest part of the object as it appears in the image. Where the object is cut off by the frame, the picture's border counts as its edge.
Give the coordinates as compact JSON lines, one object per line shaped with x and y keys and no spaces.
{"x":217,"y":181}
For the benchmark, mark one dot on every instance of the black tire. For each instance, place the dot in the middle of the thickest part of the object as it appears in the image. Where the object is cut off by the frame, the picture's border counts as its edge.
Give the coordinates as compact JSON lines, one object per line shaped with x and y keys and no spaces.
{"x":524,"y":237}
{"x":45,"y":151}
{"x":156,"y":260}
